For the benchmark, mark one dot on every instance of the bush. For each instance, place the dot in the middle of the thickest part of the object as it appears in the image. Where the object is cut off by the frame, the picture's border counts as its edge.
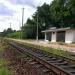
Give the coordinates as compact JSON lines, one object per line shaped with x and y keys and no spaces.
{"x":14,"y":35}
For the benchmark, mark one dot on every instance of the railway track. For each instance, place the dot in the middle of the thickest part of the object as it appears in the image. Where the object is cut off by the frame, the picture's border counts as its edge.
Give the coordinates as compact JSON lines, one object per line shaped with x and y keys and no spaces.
{"x":45,"y":62}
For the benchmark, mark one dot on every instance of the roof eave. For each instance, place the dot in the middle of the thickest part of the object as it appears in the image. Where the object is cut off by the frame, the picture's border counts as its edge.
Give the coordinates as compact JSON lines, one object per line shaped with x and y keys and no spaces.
{"x":55,"y":30}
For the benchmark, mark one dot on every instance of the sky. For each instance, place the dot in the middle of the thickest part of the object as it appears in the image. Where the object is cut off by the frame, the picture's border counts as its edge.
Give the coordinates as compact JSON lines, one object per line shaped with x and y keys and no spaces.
{"x":11,"y":12}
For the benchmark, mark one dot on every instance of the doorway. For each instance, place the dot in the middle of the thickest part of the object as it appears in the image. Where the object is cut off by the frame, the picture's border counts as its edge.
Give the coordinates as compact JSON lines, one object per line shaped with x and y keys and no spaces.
{"x":60,"y":36}
{"x":49,"y":36}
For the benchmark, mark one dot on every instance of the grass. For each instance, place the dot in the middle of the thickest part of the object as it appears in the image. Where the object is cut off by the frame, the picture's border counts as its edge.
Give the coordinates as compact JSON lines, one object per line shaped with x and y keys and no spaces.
{"x":4,"y":71}
{"x":3,"y":68}
{"x":55,"y":52}
{"x":3,"y":62}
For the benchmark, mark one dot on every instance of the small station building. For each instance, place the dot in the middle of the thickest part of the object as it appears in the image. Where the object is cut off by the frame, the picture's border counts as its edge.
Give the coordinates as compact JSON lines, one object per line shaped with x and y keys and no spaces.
{"x":54,"y":34}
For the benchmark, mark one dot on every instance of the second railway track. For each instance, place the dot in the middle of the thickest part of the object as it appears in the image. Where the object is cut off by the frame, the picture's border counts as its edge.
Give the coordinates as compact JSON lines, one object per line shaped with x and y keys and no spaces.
{"x":50,"y":64}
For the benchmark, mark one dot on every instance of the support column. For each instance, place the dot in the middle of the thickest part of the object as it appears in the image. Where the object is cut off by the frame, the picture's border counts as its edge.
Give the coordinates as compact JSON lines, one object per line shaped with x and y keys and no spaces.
{"x":46,"y":37}
{"x":53,"y":38}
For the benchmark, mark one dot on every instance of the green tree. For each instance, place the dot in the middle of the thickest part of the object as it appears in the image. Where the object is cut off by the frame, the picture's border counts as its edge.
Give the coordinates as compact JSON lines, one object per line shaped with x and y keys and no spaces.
{"x":57,"y":8}
{"x":44,"y":21}
{"x":29,"y":29}
{"x":60,"y":13}
{"x":63,"y":13}
{"x":8,"y":31}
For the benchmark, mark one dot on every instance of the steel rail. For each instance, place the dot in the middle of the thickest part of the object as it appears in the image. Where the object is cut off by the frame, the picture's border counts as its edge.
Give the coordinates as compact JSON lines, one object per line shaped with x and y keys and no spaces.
{"x":59,"y":67}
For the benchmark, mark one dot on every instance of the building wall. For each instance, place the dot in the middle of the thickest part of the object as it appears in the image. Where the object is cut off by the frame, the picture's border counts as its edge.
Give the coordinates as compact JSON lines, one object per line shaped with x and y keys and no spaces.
{"x":74,"y":36}
{"x":53,"y":38}
{"x":69,"y":36}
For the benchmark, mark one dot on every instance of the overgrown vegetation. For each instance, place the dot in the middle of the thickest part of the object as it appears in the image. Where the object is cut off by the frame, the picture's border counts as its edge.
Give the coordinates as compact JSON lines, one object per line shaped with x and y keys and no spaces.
{"x":15,"y":35}
{"x":3,"y":68}
{"x":55,"y":52}
{"x":11,"y":33}
{"x":6,"y":32}
{"x":3,"y":62}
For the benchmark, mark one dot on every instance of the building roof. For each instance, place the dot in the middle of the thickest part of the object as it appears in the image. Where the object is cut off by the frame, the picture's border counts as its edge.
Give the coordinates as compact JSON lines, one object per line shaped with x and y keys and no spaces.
{"x":53,"y":29}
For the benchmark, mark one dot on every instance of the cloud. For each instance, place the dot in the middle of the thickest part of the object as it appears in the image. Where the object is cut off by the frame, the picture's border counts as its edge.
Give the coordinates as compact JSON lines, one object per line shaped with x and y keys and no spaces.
{"x":31,"y":3}
{"x":11,"y":12}
{"x":6,"y":20}
{"x":5,"y":10}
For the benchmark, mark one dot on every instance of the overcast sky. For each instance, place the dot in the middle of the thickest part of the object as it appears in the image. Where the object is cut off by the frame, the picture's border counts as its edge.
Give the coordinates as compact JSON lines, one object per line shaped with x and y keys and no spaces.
{"x":11,"y":12}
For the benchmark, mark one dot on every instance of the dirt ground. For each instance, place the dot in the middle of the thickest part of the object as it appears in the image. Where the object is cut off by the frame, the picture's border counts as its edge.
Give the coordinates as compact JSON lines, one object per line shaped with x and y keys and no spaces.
{"x":17,"y":63}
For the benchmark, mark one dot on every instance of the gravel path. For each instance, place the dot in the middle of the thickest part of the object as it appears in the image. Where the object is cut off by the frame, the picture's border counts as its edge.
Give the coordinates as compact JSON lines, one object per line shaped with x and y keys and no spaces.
{"x":17,"y":63}
{"x":65,"y":47}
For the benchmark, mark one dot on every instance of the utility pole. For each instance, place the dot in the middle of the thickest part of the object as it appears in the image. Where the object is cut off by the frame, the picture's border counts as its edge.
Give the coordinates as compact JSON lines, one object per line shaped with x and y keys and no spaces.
{"x":22,"y":22}
{"x":10,"y":29}
{"x":37,"y":29}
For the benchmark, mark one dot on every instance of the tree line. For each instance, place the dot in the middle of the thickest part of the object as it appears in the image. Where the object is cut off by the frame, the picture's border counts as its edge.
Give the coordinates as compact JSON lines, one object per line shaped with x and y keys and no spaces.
{"x":6,"y":32}
{"x":60,"y":13}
